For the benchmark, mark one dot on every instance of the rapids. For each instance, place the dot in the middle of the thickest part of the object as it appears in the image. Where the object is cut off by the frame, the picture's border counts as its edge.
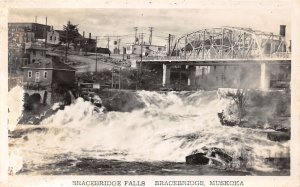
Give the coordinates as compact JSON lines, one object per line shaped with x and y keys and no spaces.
{"x":171,"y":126}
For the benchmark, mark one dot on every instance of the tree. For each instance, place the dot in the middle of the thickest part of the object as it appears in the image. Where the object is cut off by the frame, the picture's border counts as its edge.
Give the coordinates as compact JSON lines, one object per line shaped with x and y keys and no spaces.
{"x":239,"y":98}
{"x":71,"y":36}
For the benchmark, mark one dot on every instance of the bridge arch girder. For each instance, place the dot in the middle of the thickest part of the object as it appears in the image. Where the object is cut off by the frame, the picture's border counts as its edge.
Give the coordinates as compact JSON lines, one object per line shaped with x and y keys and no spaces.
{"x":229,"y":43}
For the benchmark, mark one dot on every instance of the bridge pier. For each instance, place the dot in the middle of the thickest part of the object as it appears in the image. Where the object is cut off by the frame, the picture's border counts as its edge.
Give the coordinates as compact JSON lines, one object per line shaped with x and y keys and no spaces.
{"x":192,"y":76}
{"x":166,"y":74}
{"x":264,"y":76}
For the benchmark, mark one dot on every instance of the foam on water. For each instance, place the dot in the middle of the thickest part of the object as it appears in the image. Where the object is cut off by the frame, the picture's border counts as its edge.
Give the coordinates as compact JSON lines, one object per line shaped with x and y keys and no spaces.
{"x":15,"y":106}
{"x":169,"y":127}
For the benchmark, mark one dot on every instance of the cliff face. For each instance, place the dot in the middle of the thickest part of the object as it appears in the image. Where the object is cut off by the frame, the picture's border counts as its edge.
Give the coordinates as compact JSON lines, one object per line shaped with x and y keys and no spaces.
{"x":264,"y":110}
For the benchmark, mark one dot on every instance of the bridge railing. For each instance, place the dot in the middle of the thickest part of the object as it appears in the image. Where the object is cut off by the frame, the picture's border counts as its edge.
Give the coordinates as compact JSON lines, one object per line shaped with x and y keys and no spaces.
{"x":283,"y":55}
{"x":277,"y":56}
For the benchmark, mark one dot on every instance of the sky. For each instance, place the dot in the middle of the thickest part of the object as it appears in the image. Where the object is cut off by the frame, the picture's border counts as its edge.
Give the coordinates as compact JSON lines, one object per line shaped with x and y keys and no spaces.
{"x":120,"y":22}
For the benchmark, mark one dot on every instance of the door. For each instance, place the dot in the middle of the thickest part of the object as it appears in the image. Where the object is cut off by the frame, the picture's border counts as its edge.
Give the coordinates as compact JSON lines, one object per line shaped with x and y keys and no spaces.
{"x":37,"y":76}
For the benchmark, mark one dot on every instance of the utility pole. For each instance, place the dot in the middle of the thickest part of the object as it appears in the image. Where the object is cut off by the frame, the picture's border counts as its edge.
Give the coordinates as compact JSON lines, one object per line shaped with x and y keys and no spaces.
{"x":124,"y":53}
{"x":112,"y":78}
{"x":185,"y":46}
{"x":135,"y":30}
{"x":46,"y":34}
{"x":141,"y":63}
{"x":66,"y":54}
{"x":119,"y":41}
{"x":172,"y":38}
{"x":108,"y":39}
{"x":142,"y":38}
{"x":150,"y":37}
{"x":96,"y":66}
{"x":120,"y":78}
{"x":169,"y":42}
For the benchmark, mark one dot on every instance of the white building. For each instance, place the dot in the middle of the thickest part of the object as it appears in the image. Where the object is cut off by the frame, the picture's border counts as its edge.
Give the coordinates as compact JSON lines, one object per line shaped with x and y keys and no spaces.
{"x":146,"y":49}
{"x":54,"y":36}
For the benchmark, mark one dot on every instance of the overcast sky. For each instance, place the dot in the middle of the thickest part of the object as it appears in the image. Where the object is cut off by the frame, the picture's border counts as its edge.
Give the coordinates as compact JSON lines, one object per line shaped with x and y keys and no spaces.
{"x":174,"y":21}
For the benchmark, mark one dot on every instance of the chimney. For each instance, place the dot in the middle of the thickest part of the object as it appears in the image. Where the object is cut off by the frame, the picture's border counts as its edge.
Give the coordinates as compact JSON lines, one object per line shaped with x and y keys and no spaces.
{"x":83,"y":33}
{"x":90,"y":35}
{"x":282,"y":30}
{"x":52,"y":28}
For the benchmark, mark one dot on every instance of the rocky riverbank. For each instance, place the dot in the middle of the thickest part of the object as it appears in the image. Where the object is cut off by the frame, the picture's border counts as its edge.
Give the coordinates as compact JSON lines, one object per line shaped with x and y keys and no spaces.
{"x":262,"y":110}
{"x":259,"y":110}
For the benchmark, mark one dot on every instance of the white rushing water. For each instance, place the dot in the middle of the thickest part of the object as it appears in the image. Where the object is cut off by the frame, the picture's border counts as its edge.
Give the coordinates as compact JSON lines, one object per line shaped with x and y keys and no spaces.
{"x":15,"y":106}
{"x":169,"y":127}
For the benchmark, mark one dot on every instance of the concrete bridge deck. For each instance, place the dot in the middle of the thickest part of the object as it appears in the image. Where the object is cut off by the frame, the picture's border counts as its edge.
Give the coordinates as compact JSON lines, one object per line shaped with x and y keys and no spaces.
{"x":217,"y":62}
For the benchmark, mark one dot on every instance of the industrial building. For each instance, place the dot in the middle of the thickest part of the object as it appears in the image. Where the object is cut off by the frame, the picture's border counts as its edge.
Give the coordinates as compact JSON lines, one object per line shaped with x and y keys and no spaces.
{"x":46,"y":76}
{"x":18,"y":35}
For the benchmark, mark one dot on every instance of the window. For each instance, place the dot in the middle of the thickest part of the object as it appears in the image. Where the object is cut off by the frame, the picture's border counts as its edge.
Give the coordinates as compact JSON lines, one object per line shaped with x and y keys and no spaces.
{"x":37,"y":76}
{"x":55,"y":38}
{"x":29,"y":74}
{"x":34,"y":53}
{"x":147,"y":47}
{"x":159,"y":49}
{"x":50,"y":37}
{"x":45,"y":74}
{"x":24,"y":61}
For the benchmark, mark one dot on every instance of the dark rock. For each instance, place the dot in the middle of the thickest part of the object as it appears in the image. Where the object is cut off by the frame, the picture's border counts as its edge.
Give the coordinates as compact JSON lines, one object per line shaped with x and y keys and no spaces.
{"x":278,"y":136}
{"x":219,"y":154}
{"x":283,"y":129}
{"x":124,"y":101}
{"x":67,"y":98}
{"x":226,"y":122}
{"x":209,"y":155}
{"x":25,"y":138}
{"x":19,"y":133}
{"x":235,"y":138}
{"x":198,"y":158}
{"x":278,"y":162}
{"x":94,"y":164}
{"x":253,"y":125}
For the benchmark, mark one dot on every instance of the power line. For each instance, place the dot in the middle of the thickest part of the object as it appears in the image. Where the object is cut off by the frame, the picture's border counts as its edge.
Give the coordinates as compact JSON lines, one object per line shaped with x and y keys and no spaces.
{"x":115,"y":36}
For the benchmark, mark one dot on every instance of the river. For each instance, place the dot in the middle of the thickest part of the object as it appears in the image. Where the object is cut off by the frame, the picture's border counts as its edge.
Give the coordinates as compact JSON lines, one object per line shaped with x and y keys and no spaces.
{"x":153,"y":140}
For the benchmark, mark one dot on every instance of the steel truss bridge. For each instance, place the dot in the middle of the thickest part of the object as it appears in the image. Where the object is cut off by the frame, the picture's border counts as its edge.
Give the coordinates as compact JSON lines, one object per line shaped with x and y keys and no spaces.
{"x":225,"y":44}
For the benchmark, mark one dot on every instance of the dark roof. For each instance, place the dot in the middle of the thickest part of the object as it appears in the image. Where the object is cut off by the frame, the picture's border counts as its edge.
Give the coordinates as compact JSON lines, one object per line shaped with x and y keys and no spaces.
{"x":103,"y":50}
{"x":26,"y":23}
{"x":63,"y":33}
{"x":48,"y":63}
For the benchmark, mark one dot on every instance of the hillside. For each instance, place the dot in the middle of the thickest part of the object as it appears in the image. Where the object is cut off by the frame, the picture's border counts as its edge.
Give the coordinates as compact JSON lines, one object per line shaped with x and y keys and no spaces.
{"x":87,"y":62}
